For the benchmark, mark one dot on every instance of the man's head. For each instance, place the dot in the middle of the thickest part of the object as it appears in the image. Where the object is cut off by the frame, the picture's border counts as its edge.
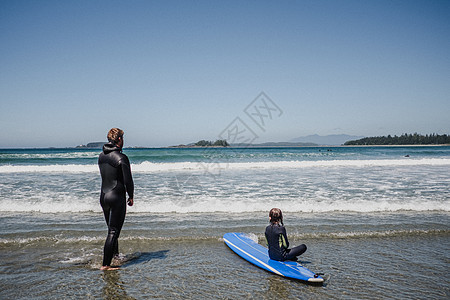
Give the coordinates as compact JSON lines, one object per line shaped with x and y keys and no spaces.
{"x":115,"y":136}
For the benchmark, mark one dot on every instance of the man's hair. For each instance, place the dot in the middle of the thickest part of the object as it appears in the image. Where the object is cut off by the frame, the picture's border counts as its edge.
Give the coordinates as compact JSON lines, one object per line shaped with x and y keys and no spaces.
{"x":114,"y":134}
{"x":276,"y":215}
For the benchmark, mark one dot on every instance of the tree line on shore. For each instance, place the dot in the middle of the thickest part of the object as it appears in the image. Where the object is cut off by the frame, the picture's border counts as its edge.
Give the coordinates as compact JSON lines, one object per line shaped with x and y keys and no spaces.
{"x":404,"y":139}
{"x":218,"y":143}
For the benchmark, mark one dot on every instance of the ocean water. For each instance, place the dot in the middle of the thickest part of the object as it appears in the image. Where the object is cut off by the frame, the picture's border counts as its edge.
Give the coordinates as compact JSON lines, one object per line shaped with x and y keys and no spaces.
{"x":376,"y":221}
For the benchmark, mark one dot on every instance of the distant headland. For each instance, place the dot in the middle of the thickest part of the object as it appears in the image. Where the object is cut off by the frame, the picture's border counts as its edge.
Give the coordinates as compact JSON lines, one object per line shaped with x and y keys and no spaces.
{"x":404,"y":139}
{"x":203,"y":143}
{"x":93,"y":145}
{"x":224,"y":143}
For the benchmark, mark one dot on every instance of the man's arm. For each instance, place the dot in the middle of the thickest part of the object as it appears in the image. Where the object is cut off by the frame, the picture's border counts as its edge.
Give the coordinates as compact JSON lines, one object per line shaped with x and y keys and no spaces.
{"x":128,"y":179}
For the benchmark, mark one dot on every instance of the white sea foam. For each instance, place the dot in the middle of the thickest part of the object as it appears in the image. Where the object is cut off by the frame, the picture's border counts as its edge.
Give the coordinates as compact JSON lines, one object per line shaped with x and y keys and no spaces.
{"x":52,"y":240}
{"x":244,"y":205}
{"x":57,"y":155}
{"x":46,"y":204}
{"x":369,"y":234}
{"x":233,"y":204}
{"x":48,"y":168}
{"x":149,"y":167}
{"x":295,"y":186}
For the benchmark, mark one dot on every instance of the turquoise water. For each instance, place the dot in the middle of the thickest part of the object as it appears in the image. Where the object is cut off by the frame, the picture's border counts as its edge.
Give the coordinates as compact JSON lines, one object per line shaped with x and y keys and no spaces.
{"x":376,"y":221}
{"x":167,"y":155}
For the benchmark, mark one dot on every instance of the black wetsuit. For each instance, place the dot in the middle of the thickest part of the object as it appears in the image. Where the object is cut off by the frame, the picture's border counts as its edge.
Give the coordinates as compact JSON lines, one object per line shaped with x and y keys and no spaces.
{"x":279,"y":245}
{"x":116,"y":182}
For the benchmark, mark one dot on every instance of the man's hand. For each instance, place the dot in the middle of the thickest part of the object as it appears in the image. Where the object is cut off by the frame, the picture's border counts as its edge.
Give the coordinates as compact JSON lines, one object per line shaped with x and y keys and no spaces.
{"x":130,"y":201}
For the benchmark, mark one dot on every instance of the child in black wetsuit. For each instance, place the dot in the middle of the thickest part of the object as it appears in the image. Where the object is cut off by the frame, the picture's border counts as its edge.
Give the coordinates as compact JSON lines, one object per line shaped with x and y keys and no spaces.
{"x":277,"y":239}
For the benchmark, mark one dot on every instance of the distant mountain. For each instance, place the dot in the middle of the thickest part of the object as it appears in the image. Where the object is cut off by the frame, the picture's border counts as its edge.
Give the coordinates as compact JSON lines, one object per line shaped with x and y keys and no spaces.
{"x":331,"y":140}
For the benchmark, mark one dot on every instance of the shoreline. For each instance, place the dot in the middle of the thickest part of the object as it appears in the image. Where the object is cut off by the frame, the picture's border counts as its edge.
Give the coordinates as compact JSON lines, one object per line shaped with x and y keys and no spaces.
{"x":229,"y":147}
{"x":295,"y":146}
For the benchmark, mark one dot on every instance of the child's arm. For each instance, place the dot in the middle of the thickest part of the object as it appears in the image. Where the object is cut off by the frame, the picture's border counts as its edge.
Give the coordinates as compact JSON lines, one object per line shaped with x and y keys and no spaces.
{"x":285,"y":239}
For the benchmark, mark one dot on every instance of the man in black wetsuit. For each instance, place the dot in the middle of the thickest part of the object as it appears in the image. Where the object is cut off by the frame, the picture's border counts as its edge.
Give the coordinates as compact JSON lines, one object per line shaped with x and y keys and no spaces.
{"x":116,"y":183}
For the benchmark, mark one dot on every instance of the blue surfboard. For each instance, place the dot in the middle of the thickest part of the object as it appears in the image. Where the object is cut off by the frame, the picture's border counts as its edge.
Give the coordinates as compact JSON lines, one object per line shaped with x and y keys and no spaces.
{"x":259,"y":256}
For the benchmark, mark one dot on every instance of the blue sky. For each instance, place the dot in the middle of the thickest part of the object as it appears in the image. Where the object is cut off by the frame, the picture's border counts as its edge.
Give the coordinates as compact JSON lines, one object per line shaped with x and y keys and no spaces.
{"x":172,"y":72}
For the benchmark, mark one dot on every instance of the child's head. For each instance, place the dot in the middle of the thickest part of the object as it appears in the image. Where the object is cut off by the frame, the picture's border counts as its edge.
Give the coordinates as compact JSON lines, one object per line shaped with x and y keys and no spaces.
{"x":276,"y":216}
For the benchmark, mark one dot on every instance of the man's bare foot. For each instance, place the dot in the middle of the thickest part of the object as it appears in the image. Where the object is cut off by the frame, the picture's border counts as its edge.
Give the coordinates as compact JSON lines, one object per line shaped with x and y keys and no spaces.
{"x":108,"y":268}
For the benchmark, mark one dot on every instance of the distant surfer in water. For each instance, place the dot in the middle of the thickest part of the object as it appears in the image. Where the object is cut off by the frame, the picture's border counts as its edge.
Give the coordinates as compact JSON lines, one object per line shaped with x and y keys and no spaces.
{"x":277,"y":239}
{"x":116,"y":183}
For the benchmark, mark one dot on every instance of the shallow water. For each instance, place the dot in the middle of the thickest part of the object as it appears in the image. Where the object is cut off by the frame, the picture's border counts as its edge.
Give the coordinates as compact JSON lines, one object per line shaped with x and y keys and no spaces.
{"x":375,"y":222}
{"x":363,"y":256}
